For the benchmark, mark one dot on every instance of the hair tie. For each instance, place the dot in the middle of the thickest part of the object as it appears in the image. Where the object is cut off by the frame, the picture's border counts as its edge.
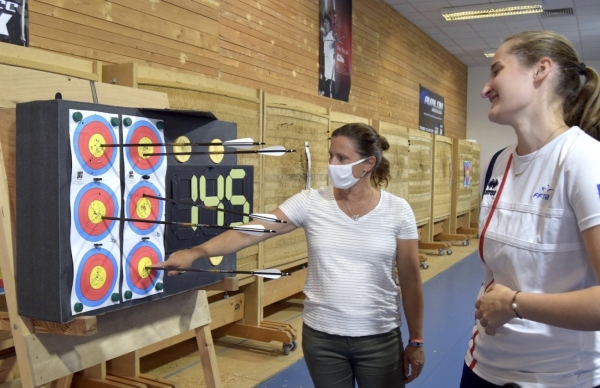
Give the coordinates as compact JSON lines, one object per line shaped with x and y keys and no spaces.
{"x":581,"y":68}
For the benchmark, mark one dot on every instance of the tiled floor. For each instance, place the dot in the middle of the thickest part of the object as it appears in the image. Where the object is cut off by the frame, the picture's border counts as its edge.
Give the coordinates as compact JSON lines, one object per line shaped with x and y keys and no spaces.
{"x":450,"y":286}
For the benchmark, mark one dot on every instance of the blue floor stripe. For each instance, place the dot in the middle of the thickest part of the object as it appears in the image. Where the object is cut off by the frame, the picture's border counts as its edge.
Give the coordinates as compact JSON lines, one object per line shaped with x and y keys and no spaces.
{"x":448,"y":320}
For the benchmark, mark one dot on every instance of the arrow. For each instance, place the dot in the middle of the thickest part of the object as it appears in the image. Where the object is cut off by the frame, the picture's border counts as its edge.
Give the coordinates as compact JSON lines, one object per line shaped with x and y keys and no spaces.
{"x":256,"y":216}
{"x":245,"y":143}
{"x":273,"y":151}
{"x":265,"y":273}
{"x":248,"y":229}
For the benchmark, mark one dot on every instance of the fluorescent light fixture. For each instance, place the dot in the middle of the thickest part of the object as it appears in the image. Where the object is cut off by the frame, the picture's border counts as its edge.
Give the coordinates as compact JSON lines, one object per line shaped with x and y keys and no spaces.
{"x":489,"y":10}
{"x":489,"y":53}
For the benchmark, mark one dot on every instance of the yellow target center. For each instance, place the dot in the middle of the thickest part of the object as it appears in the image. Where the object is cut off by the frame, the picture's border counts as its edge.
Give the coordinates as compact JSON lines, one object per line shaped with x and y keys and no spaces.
{"x":216,"y":260}
{"x":216,"y":151}
{"x":97,"y":277}
{"x":95,"y":145}
{"x":143,"y":150}
{"x":142,"y":264}
{"x":96,"y":211}
{"x":143,"y":208}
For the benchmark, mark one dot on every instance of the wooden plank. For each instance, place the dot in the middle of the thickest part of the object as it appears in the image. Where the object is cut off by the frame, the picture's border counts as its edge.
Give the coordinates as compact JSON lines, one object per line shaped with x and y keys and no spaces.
{"x":105,"y":29}
{"x":118,"y":334}
{"x":222,"y":312}
{"x":20,"y":326}
{"x":80,"y":35}
{"x":208,"y":357}
{"x":279,"y":289}
{"x":125,"y":365}
{"x":31,"y":58}
{"x":150,"y":24}
{"x":20,"y":85}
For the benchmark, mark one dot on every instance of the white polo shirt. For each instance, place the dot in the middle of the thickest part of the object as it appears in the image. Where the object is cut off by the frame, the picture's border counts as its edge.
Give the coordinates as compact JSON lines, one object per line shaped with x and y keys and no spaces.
{"x":533,"y":243}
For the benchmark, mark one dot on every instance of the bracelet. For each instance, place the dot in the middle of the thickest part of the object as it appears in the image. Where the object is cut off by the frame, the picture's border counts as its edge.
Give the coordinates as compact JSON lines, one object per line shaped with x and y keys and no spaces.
{"x":514,"y":304}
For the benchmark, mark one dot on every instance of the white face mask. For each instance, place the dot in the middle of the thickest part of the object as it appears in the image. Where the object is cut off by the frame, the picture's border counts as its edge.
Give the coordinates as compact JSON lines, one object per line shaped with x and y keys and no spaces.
{"x":341,"y":174}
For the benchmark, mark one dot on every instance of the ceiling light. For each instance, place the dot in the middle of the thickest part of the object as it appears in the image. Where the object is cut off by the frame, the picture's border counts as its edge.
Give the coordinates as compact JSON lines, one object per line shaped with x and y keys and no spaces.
{"x":489,"y":53}
{"x":489,"y":10}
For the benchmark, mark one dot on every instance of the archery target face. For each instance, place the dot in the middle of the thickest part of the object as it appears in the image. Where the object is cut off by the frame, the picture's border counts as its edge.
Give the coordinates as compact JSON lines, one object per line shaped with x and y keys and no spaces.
{"x":144,"y":132}
{"x":140,"y":280}
{"x":89,"y":136}
{"x":96,"y":277}
{"x":94,"y":201}
{"x":139,"y":207}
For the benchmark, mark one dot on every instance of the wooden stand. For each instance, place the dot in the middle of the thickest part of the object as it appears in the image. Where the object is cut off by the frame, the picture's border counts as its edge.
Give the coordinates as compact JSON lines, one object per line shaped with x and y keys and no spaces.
{"x":46,"y":352}
{"x":92,"y":351}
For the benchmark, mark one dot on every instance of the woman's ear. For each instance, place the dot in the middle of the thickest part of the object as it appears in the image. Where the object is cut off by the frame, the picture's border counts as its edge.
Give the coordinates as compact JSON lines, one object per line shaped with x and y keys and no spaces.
{"x":370,"y":162}
{"x":543,"y":68}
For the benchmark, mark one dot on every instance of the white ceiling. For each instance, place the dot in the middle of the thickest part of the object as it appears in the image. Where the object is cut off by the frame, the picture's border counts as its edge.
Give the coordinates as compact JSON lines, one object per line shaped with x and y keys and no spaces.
{"x":468,"y":39}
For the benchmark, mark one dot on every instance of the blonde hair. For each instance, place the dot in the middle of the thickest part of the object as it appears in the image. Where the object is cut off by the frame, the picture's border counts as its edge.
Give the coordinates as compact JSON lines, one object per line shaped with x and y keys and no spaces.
{"x":581,"y":102}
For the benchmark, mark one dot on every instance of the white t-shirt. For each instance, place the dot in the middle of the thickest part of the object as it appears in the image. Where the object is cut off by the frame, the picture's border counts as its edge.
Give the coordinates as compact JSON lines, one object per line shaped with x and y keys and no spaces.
{"x":350,"y":288}
{"x":533,"y":243}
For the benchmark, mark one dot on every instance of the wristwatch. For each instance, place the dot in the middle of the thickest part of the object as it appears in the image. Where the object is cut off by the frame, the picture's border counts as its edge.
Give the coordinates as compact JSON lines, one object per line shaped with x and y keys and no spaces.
{"x":417,"y":343}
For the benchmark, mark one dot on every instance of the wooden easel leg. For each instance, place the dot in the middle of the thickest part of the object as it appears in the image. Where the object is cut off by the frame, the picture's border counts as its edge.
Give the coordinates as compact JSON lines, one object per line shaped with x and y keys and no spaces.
{"x":126,"y":369}
{"x":206,"y":347}
{"x":63,"y":382}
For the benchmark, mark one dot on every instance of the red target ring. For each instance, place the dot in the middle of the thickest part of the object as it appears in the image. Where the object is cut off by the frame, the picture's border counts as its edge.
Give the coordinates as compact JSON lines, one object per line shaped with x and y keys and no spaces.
{"x":140,"y":207}
{"x":90,"y":135}
{"x":140,"y":280}
{"x":142,"y":133}
{"x":96,"y":277}
{"x":94,"y":201}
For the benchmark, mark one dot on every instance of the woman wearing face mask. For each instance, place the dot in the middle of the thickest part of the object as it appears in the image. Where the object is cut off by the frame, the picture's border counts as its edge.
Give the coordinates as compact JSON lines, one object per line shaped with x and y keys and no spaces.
{"x":355,"y":231}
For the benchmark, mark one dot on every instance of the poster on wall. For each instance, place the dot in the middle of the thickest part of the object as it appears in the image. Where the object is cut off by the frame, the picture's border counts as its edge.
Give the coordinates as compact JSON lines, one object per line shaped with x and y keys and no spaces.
{"x":14,"y":22}
{"x":467,"y":168}
{"x":431,"y":112}
{"x":335,"y":49}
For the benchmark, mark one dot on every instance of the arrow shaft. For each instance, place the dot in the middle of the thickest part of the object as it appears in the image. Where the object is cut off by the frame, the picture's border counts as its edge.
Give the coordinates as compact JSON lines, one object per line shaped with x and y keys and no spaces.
{"x":256,"y":273}
{"x":217,"y":152}
{"x":190,"y":224}
{"x":225,"y":144}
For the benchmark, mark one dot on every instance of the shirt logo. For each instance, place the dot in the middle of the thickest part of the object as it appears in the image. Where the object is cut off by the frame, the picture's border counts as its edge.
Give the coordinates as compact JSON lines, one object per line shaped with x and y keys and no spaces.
{"x":545,"y":194}
{"x":598,"y":186}
{"x":493,"y":183}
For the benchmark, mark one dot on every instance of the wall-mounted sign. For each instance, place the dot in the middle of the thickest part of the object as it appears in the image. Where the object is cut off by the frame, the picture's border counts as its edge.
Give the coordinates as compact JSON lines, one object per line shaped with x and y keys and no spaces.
{"x":431,"y":112}
{"x":14,"y":22}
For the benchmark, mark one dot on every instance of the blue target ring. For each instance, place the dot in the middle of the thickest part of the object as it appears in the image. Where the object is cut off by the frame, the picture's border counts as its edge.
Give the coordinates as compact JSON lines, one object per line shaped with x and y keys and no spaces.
{"x":139,"y":207}
{"x":96,"y":277}
{"x":97,"y":199}
{"x":141,"y":132}
{"x":90,"y":134}
{"x":140,"y":281}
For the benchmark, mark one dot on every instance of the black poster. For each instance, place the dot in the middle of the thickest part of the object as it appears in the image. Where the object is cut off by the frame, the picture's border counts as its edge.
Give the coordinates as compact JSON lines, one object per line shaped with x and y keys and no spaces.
{"x":14,"y":22}
{"x":431,"y":112}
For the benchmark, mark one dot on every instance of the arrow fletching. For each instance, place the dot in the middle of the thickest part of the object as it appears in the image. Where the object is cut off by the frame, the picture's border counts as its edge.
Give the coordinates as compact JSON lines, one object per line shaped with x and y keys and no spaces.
{"x":252,"y":229}
{"x":273,"y":151}
{"x":266,"y":217}
{"x":244,"y":144}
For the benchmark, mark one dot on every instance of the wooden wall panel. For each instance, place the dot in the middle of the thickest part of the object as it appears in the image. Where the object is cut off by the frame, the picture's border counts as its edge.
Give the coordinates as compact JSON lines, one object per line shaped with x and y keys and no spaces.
{"x":420,"y":186}
{"x":291,"y":123}
{"x":398,"y":138}
{"x":442,"y":178}
{"x":272,"y":45}
{"x":462,"y":152}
